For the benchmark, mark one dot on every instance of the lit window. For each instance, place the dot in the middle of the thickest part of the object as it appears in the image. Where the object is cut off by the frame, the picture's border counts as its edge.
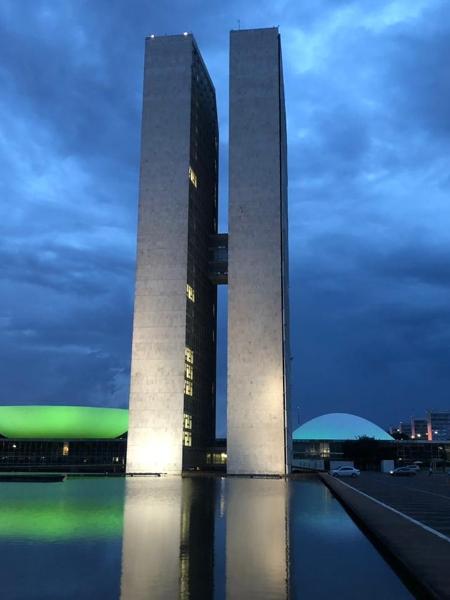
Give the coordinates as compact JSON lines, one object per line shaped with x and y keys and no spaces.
{"x":188,"y":388}
{"x":187,"y":438}
{"x":66,"y":449}
{"x":193,"y":177}
{"x":190,"y":293}
{"x":188,"y":371}
{"x":189,"y":356}
{"x":187,"y":421}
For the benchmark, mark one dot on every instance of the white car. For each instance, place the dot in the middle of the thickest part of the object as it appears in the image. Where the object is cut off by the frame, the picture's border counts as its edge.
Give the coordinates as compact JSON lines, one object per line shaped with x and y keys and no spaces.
{"x":345,"y":472}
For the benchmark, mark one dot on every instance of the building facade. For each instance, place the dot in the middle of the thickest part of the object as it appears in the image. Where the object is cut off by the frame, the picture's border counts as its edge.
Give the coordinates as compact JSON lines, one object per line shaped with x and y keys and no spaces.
{"x":438,"y":423}
{"x":419,"y":429}
{"x":181,"y":258}
{"x":258,"y":340}
{"x":63,"y":438}
{"x":172,"y":395}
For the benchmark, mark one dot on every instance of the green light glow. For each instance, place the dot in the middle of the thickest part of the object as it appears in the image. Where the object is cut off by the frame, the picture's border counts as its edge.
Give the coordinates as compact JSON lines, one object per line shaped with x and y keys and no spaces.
{"x":71,"y":510}
{"x":62,"y":422}
{"x":54,"y":522}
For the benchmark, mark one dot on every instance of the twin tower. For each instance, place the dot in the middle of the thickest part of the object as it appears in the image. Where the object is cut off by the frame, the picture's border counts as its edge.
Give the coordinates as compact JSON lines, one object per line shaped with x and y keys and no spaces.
{"x":181,"y":258}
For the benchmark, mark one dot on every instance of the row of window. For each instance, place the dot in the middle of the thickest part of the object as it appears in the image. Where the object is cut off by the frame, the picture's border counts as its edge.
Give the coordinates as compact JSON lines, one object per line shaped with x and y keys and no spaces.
{"x":189,"y":355}
{"x":187,"y":425}
{"x":216,"y":458}
{"x":188,"y":371}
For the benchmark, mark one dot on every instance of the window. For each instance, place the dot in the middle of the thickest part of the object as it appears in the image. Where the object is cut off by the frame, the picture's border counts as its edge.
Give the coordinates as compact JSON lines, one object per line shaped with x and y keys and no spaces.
{"x":189,"y":356}
{"x":66,"y":449}
{"x":193,"y":177}
{"x":187,"y":435}
{"x":187,"y":421}
{"x":190,"y":293}
{"x":188,"y":371}
{"x":188,"y":388}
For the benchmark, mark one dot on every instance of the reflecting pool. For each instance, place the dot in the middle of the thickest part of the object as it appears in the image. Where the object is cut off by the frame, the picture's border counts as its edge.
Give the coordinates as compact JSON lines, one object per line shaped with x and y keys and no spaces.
{"x":191,"y":538}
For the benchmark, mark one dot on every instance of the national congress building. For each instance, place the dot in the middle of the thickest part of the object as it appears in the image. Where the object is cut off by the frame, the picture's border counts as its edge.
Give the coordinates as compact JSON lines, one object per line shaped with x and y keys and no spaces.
{"x":181,"y":258}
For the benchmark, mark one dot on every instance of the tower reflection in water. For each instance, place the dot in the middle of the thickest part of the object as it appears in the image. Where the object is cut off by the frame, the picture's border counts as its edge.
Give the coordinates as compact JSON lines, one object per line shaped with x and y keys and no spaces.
{"x":257,"y":539}
{"x":173,"y":535}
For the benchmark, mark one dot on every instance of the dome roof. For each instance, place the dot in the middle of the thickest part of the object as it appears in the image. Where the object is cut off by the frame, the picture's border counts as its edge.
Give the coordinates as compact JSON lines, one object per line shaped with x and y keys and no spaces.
{"x":339,"y":426}
{"x":62,"y":422}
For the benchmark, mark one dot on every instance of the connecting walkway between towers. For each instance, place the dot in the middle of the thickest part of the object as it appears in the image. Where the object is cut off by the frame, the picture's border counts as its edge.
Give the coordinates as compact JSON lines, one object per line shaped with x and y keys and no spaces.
{"x":218,"y":258}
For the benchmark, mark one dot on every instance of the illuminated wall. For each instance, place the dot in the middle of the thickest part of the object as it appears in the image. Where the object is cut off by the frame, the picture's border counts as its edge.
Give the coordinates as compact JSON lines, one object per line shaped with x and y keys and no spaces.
{"x":173,"y":353}
{"x":172,"y":395}
{"x":258,"y":344}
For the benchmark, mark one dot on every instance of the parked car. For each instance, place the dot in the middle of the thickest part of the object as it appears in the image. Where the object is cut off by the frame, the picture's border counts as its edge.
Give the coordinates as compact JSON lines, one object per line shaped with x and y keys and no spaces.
{"x":402,"y":472}
{"x":413,"y":467}
{"x":345,"y":472}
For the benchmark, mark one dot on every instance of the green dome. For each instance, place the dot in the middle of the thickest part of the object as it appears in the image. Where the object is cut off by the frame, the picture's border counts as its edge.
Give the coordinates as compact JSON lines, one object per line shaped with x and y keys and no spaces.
{"x":62,"y":422}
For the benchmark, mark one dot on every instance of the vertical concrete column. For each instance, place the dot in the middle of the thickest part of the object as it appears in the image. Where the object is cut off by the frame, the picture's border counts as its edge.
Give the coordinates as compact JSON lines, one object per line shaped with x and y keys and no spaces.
{"x":172,"y":394}
{"x":155,"y":435}
{"x":258,"y":346}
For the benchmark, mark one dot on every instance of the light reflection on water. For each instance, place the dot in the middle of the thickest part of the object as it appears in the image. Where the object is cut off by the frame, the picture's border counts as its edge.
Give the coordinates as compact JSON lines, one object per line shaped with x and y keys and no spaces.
{"x":205,"y":538}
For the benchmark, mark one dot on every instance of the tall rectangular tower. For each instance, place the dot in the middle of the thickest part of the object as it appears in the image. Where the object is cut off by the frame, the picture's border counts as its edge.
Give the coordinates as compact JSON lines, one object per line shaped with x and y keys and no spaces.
{"x":172,"y":394}
{"x":258,"y":437}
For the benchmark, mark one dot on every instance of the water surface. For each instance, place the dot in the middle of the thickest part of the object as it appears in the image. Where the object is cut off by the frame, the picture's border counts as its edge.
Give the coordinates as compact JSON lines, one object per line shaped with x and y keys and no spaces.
{"x":205,"y":538}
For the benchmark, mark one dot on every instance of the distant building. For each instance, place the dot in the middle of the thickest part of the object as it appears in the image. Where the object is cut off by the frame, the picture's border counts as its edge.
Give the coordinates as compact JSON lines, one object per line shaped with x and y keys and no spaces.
{"x":329,"y":440}
{"x":82,"y":439}
{"x":419,"y":429}
{"x":63,"y":438}
{"x":438,"y":424}
{"x":405,"y":428}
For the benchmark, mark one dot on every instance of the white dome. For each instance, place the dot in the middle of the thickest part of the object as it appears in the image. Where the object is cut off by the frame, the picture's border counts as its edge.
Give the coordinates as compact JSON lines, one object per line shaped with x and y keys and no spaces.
{"x":339,"y":426}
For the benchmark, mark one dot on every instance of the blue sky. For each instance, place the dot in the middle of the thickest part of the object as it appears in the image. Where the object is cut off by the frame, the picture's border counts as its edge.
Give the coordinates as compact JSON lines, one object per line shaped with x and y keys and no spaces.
{"x":368,"y":105}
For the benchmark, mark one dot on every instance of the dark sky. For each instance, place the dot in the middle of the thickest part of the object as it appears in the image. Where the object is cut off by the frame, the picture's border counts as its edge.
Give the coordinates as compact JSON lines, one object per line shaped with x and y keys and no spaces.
{"x":368,"y":104}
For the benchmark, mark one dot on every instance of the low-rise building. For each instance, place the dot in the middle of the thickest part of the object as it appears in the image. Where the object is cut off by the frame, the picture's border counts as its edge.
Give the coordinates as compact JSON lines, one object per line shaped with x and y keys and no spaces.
{"x":329,"y":440}
{"x":419,"y":429}
{"x":438,"y":423}
{"x":63,"y":438}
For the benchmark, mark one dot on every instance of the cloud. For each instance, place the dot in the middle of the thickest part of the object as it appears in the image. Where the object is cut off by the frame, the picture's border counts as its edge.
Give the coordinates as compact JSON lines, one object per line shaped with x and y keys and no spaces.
{"x":367,"y":90}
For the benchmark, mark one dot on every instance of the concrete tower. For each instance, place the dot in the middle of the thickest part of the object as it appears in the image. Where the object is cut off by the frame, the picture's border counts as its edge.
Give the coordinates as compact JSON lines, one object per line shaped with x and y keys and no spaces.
{"x":172,"y":395}
{"x":181,"y":258}
{"x":258,"y":440}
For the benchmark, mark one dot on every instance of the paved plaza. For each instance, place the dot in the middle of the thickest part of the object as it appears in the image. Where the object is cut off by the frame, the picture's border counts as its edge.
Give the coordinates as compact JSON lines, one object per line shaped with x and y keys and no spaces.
{"x":423,"y":497}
